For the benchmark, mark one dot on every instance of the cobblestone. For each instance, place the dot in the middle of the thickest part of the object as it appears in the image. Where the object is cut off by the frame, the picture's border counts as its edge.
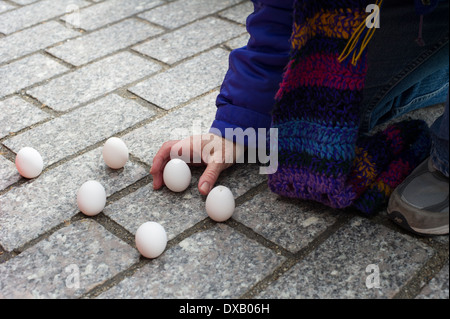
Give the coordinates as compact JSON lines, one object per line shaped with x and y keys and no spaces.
{"x":33,"y":39}
{"x":35,"y":13}
{"x":71,"y":261}
{"x":24,"y":2}
{"x":109,"y":11}
{"x":176,"y":125}
{"x":438,"y":286}
{"x":74,"y":73}
{"x":217,"y":253}
{"x":41,"y":204}
{"x":92,"y":81}
{"x":294,"y":229}
{"x":189,"y":40}
{"x":8,"y":173}
{"x":5,"y":6}
{"x":17,"y":114}
{"x":26,"y":72}
{"x":178,"y":13}
{"x":188,"y":208}
{"x":102,"y":42}
{"x":70,"y":133}
{"x":185,"y":81}
{"x":341,"y":267}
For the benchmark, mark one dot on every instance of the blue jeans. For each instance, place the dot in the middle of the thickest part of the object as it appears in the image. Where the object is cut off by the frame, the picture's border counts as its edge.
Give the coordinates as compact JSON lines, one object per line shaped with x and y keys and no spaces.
{"x":404,"y":76}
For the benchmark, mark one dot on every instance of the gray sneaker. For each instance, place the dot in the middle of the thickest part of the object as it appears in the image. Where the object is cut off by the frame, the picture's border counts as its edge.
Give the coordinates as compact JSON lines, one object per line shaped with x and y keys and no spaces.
{"x":420,"y":203}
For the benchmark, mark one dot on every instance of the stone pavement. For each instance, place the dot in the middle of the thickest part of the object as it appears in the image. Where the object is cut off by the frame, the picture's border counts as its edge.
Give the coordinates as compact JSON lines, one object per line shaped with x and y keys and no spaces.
{"x":74,"y":73}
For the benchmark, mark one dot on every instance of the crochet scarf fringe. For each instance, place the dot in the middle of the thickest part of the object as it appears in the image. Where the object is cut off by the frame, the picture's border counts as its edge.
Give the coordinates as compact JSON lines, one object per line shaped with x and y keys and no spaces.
{"x":322,"y":157}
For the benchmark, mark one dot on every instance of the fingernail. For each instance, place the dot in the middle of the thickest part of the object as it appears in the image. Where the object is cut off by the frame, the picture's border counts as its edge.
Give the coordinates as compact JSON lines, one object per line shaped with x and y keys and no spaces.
{"x":205,"y":187}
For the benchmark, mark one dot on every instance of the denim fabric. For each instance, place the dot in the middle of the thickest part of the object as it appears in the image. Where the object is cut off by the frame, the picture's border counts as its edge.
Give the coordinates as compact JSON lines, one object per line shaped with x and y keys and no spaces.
{"x":404,"y":76}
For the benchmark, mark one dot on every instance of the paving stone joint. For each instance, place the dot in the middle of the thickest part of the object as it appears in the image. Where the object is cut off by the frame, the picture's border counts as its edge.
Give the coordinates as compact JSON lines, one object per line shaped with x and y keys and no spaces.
{"x":75,"y":73}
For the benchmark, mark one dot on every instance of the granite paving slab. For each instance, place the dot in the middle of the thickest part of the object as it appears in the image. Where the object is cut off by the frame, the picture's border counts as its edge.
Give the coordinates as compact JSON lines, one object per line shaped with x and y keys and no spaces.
{"x":23,"y":2}
{"x":178,"y":13}
{"x":93,"y":80}
{"x":26,"y":72}
{"x":103,"y":42}
{"x":109,"y":11}
{"x":33,"y":39}
{"x":291,"y":224}
{"x":240,"y":178}
{"x":187,"y":41}
{"x":8,"y":173}
{"x":192,"y":119}
{"x":5,"y":6}
{"x":217,"y":263}
{"x":177,"y":212}
{"x":362,"y":260}
{"x":35,"y":207}
{"x":17,"y":114}
{"x":437,"y":287}
{"x":67,"y":264}
{"x":35,"y":13}
{"x":238,"y":42}
{"x":185,"y":81}
{"x":238,"y":13}
{"x":76,"y":72}
{"x":85,"y":126}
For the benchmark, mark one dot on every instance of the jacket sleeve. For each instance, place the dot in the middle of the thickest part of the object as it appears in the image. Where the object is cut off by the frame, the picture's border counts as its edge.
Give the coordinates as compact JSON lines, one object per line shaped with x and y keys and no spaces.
{"x":255,"y":71}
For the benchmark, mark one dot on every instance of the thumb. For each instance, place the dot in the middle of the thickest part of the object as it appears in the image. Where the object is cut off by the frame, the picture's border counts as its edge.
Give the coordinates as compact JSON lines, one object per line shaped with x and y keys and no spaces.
{"x":209,"y":177}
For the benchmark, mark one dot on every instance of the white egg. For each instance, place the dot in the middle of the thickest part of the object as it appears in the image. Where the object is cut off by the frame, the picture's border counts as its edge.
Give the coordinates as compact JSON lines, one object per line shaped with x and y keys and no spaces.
{"x":177,"y":175}
{"x":151,"y":239}
{"x":91,"y":198}
{"x":115,"y":153}
{"x":220,"y":204}
{"x":29,"y":162}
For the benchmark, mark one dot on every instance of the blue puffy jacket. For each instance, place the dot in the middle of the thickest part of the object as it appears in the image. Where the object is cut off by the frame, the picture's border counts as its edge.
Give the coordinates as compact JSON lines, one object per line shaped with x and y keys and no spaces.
{"x":255,"y":71}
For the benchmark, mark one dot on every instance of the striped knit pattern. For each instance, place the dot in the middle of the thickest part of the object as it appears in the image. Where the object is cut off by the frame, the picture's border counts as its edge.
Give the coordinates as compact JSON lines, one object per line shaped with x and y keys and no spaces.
{"x":402,"y":147}
{"x":317,"y":114}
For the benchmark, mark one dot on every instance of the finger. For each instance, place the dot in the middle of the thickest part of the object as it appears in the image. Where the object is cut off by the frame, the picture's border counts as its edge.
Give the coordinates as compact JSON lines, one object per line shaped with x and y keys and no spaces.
{"x":162,"y":156}
{"x":158,"y":177}
{"x":160,"y":160}
{"x":209,"y":177}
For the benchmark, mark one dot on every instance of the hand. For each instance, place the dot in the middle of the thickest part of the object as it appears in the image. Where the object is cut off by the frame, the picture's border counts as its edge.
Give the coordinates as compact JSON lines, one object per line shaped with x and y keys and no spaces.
{"x":211,"y":150}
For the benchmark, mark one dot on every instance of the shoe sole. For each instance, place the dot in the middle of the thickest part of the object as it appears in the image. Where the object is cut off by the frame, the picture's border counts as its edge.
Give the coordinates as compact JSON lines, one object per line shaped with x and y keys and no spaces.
{"x":409,"y":214}
{"x":401,"y":221}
